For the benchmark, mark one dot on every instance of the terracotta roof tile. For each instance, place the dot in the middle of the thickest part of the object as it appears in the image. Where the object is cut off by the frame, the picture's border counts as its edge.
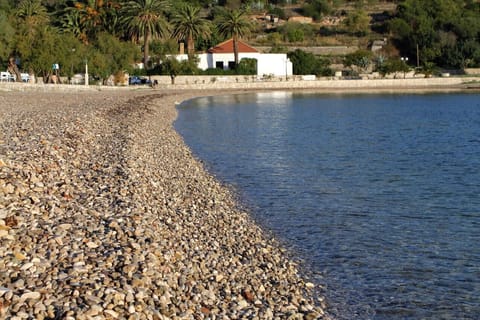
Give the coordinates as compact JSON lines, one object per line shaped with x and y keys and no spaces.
{"x":227,"y":47}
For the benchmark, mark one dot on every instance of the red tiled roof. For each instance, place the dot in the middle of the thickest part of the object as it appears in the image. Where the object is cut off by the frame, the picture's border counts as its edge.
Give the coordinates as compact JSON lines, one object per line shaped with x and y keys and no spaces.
{"x":227,"y":47}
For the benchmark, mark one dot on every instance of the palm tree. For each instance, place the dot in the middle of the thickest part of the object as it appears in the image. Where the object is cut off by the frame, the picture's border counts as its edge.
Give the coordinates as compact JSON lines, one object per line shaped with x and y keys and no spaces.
{"x":32,"y":13}
{"x":234,"y":23}
{"x":145,"y":18}
{"x":70,"y":22}
{"x":188,"y":25}
{"x":85,"y":19}
{"x":31,"y":16}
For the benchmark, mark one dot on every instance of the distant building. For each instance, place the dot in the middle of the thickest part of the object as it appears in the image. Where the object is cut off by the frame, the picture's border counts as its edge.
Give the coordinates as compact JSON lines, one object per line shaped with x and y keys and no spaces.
{"x":301,"y":19}
{"x":222,"y":57}
{"x":378,"y":44}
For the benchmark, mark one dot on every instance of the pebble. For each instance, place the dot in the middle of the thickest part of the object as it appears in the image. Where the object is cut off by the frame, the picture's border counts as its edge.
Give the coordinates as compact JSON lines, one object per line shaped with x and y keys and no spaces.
{"x":106,"y":214}
{"x":3,"y":290}
{"x":30,"y":296}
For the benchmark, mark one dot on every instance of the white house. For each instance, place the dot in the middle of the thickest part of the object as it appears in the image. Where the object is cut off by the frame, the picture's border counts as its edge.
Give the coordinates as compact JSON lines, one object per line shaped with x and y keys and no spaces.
{"x":222,"y":57}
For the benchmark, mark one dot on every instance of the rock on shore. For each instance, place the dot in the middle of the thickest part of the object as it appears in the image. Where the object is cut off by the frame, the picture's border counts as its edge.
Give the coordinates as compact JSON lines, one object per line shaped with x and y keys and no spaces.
{"x":105,"y":214}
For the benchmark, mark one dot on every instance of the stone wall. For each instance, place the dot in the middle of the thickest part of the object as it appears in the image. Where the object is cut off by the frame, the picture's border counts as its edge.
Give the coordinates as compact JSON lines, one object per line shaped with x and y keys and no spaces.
{"x":224,"y":83}
{"x":334,"y":84}
{"x":472,"y":71}
{"x":324,"y":50}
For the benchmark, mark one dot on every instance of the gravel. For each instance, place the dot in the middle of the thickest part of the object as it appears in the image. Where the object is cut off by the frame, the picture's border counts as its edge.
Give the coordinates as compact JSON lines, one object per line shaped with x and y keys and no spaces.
{"x":106,"y":214}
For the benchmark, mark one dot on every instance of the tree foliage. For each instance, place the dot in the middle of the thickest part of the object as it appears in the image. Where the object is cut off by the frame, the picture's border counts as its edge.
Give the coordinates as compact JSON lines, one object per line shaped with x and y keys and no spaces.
{"x":357,"y":22}
{"x":316,"y":8}
{"x":111,"y":34}
{"x":112,"y":55}
{"x":146,"y":19}
{"x":393,"y":66}
{"x":295,"y":32}
{"x":189,"y":25}
{"x":361,"y":59}
{"x":247,"y":66}
{"x":6,"y":37}
{"x":307,"y":63}
{"x":234,"y":23}
{"x":447,"y":32}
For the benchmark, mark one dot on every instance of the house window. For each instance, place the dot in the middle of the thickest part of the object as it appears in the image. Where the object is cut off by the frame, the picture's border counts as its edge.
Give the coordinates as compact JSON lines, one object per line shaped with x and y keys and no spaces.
{"x":219,"y":65}
{"x":231,"y":65}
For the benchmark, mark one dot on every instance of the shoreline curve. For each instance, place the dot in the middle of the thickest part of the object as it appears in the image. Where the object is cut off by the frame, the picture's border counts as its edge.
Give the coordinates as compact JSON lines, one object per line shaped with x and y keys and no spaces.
{"x":105,"y":212}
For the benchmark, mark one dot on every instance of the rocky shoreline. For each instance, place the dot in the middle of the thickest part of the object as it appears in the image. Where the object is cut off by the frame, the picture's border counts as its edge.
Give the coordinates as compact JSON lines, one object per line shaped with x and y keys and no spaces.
{"x":106,"y":214}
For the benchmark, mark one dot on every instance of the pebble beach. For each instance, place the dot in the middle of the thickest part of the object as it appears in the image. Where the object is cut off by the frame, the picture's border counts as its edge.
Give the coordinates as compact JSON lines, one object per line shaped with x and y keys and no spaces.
{"x":106,"y":214}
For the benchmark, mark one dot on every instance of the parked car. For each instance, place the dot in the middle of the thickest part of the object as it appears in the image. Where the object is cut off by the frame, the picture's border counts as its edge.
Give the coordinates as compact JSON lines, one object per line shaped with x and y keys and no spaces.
{"x":6,"y":76}
{"x":25,"y":77}
{"x":135,"y":80}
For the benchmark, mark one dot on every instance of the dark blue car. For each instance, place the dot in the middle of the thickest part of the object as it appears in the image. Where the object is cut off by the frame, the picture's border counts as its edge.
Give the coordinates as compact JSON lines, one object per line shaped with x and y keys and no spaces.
{"x":134,"y":80}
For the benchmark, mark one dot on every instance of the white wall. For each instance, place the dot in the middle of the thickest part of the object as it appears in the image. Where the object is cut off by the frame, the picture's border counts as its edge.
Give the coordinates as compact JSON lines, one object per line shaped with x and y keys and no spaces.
{"x":212,"y":59}
{"x":276,"y":64}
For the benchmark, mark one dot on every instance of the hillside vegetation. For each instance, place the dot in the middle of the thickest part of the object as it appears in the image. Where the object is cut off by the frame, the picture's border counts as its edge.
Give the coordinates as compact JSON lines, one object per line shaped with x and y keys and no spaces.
{"x":113,"y":35}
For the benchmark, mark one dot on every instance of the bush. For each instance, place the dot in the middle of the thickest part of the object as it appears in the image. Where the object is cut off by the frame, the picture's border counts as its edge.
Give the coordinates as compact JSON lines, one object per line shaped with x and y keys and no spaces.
{"x":361,"y":59}
{"x":297,"y":32}
{"x":316,"y":9}
{"x":245,"y":67}
{"x":279,"y":12}
{"x":308,"y":63}
{"x":217,"y":72}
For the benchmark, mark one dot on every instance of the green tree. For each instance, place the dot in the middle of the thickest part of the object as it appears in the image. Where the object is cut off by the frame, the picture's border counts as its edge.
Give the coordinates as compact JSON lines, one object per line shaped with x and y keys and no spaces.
{"x":443,"y":31}
{"x":316,"y":8}
{"x":361,"y":59}
{"x":109,"y":56}
{"x":394,"y":65}
{"x":296,"y":32}
{"x":111,"y":19}
{"x":87,"y":18}
{"x":7,"y":37}
{"x":189,"y":25}
{"x":159,"y":49}
{"x":247,"y":66}
{"x":7,"y":5}
{"x":171,"y":66}
{"x":234,"y":23}
{"x":41,"y":52}
{"x":190,"y":66}
{"x":31,"y":14}
{"x":357,"y":22}
{"x":30,"y":17}
{"x":70,"y":22}
{"x":145,"y":19}
{"x":307,"y":63}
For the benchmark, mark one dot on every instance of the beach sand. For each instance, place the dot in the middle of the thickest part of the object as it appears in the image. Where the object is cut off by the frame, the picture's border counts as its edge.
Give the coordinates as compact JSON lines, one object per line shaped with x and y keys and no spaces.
{"x":106,"y":214}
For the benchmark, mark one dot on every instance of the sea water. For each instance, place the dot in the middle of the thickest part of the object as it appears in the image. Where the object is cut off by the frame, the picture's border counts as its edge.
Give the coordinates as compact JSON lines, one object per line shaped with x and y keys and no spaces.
{"x":378,"y":194}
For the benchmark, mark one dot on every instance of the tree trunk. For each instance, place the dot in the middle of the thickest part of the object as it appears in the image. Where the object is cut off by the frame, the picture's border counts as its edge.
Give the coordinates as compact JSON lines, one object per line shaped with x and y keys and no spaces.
{"x":146,"y":42}
{"x":13,"y":69}
{"x":235,"y":50}
{"x":191,"y":46}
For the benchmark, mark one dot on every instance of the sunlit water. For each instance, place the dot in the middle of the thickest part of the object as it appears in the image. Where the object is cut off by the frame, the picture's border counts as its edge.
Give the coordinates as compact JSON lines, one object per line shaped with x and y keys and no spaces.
{"x":379,"y":194}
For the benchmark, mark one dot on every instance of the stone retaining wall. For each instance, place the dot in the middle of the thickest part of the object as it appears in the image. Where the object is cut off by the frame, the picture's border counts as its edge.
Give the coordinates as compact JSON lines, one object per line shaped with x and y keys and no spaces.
{"x":197,"y":83}
{"x":324,"y":50}
{"x":472,"y":71}
{"x":330,"y":84}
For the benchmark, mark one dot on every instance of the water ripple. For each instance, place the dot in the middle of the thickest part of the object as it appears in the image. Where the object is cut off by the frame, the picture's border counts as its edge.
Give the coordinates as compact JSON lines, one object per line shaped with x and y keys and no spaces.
{"x":380,"y":195}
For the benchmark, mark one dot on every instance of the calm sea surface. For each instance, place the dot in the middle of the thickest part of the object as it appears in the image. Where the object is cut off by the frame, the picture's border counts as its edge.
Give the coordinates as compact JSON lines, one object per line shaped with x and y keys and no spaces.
{"x":379,"y":194}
